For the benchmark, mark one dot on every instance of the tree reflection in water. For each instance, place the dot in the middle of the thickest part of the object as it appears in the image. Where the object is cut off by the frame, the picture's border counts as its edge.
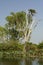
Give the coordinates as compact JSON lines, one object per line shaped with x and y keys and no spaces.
{"x":40,"y":61}
{"x":28,"y":61}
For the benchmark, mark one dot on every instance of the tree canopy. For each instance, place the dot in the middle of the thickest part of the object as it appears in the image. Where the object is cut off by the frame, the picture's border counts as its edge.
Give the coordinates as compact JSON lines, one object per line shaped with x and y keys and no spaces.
{"x":20,"y":25}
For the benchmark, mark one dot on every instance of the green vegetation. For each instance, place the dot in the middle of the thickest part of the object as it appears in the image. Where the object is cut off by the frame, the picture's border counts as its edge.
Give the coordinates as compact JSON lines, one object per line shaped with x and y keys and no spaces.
{"x":13,"y":50}
{"x":15,"y":36}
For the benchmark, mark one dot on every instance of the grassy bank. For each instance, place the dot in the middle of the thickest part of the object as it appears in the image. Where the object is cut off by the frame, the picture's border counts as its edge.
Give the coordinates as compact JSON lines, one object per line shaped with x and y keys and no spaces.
{"x":15,"y":50}
{"x":16,"y":54}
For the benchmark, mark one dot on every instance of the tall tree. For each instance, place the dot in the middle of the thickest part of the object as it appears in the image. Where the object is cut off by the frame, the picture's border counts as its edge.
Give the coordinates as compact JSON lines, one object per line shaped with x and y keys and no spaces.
{"x":20,"y":25}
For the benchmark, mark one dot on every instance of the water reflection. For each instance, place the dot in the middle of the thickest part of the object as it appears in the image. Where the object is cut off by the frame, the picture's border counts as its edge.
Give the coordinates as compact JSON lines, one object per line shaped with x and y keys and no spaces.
{"x":8,"y":62}
{"x":40,"y":61}
{"x":35,"y":62}
{"x":28,"y":61}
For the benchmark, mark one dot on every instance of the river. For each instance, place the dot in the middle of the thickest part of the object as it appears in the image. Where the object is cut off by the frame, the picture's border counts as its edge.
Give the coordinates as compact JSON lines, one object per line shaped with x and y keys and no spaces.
{"x":28,"y":61}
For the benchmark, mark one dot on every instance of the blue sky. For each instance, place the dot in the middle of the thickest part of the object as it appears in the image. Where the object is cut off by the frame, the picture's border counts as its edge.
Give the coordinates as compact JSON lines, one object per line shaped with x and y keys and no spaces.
{"x":7,"y":6}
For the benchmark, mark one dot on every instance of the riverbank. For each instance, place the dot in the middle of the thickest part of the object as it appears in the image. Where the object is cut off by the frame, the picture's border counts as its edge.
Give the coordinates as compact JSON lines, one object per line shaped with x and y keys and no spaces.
{"x":16,"y":54}
{"x":14,"y":50}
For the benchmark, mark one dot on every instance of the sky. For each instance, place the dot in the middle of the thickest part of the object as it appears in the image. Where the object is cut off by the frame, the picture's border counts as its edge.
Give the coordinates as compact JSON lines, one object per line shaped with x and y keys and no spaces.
{"x":7,"y":6}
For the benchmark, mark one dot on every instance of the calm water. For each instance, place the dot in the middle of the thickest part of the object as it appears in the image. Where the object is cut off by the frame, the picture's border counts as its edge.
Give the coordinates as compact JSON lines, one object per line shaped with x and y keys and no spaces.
{"x":22,"y":62}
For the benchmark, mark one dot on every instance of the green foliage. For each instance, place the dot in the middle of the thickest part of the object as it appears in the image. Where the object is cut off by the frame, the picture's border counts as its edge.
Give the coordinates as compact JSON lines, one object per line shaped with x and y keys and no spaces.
{"x":31,"y":47}
{"x":32,"y":11}
{"x":17,"y":25}
{"x":40,"y":46}
{"x":10,"y":46}
{"x":14,"y":49}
